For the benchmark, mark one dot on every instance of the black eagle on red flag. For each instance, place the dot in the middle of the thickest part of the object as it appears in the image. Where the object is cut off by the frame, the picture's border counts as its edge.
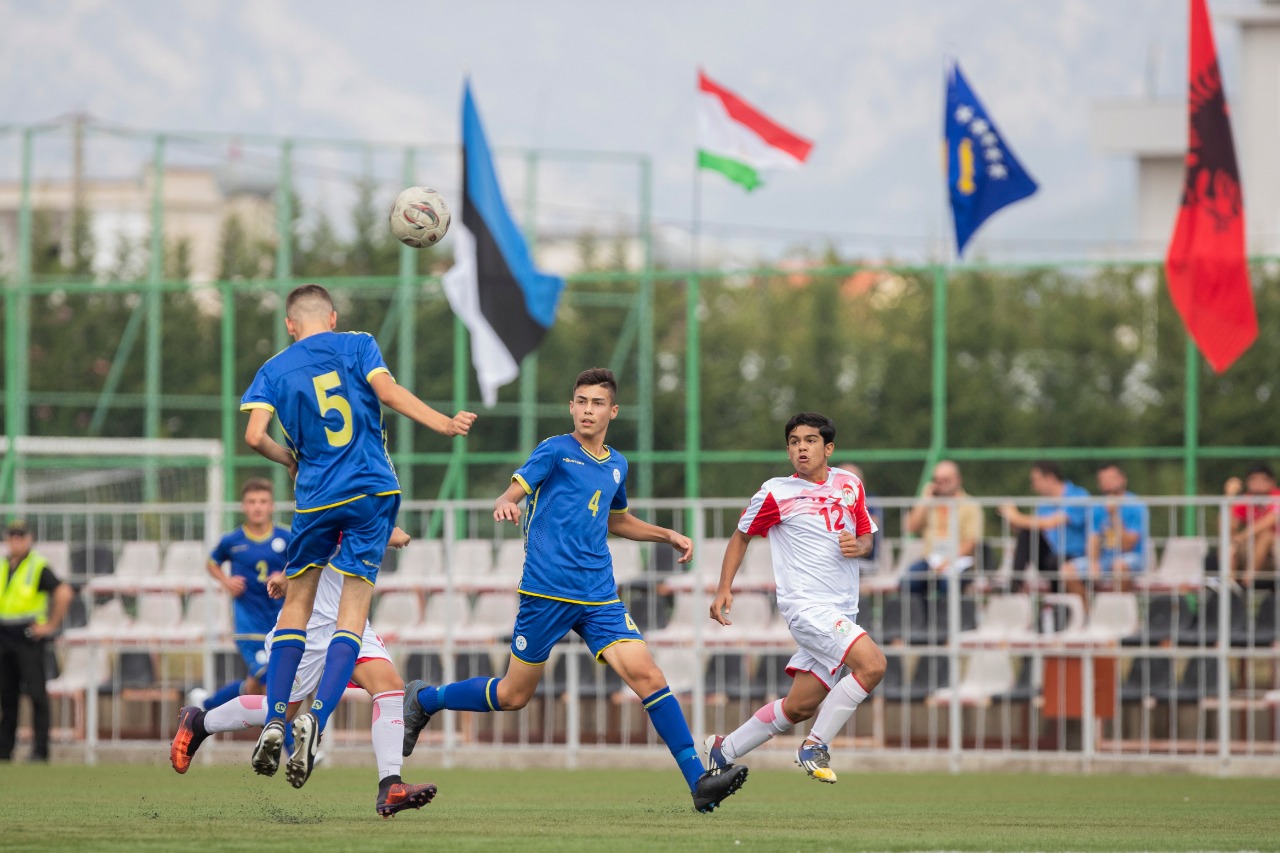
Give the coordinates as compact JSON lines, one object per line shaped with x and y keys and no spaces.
{"x":1206,"y":267}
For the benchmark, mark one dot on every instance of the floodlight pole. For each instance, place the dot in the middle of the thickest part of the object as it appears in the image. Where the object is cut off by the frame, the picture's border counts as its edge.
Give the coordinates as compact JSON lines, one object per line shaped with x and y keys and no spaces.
{"x":1191,"y":434}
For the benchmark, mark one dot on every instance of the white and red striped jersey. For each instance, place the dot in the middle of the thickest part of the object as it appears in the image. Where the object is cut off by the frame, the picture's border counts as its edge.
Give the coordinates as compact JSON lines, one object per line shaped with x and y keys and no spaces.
{"x":803,"y":522}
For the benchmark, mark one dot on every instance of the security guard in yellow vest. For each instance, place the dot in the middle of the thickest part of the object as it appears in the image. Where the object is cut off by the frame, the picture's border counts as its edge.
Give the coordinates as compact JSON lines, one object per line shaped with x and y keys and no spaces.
{"x":27,"y":585}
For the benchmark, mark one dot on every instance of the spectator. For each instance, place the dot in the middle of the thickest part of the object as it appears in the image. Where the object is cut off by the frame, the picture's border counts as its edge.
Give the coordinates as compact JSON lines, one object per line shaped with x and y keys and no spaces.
{"x":932,"y":522}
{"x":1116,"y":549}
{"x":1253,"y":528}
{"x":1055,"y":533}
{"x":27,"y":621}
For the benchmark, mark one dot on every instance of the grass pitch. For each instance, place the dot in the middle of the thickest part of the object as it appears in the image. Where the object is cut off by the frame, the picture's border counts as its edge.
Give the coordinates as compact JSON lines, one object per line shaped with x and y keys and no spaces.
{"x":130,"y":807}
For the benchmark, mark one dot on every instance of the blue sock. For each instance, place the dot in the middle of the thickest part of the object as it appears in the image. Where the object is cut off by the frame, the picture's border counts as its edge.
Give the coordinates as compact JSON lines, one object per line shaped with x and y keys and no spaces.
{"x":287,"y":646}
{"x":474,"y":694}
{"x":223,"y":695}
{"x":668,"y":720}
{"x":339,"y":664}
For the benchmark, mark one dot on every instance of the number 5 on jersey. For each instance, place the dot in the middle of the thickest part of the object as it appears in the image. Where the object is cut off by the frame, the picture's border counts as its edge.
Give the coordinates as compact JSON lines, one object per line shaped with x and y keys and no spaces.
{"x":324,"y":383}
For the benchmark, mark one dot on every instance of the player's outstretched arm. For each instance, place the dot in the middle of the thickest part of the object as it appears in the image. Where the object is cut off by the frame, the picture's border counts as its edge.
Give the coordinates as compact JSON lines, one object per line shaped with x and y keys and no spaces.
{"x":627,"y":526}
{"x":734,"y":551}
{"x":255,"y":435}
{"x":404,"y":401}
{"x":505,"y":507}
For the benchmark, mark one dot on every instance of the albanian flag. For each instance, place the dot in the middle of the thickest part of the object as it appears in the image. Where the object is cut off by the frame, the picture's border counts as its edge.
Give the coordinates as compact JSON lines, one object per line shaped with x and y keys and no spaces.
{"x":1206,"y":268}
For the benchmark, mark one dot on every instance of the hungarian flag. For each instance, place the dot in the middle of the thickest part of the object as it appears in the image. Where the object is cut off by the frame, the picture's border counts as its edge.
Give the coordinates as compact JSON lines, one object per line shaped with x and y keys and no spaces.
{"x":506,"y":303}
{"x":738,"y":141}
{"x":1206,"y":268}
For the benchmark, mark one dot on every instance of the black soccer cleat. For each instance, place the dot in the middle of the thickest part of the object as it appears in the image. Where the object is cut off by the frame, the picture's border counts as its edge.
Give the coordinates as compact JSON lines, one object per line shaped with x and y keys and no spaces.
{"x":306,"y":743}
{"x":715,"y":786}
{"x":415,"y":719}
{"x":266,"y":755}
{"x":398,"y":796}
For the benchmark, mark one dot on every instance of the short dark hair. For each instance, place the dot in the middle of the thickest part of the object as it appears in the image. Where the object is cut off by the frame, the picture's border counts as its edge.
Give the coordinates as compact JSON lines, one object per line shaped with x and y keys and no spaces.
{"x":307,"y":293}
{"x":823,"y":424}
{"x":256,"y":484}
{"x":1109,"y":463}
{"x":1054,"y":470}
{"x":597,"y":376}
{"x":1260,"y":468}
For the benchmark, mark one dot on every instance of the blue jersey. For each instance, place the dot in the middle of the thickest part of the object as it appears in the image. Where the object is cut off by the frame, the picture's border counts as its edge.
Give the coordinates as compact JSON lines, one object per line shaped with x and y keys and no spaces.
{"x":1133,"y":519}
{"x":566,"y":522}
{"x":254,"y":560}
{"x":1068,"y":541}
{"x":332,"y":419}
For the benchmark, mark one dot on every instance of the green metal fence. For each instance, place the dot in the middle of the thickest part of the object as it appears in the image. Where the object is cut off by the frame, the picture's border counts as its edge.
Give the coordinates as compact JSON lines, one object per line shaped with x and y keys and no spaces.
{"x":171,"y":357}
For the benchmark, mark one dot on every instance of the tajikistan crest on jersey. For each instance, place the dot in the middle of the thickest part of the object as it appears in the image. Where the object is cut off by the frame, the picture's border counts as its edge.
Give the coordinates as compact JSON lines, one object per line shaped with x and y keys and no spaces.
{"x":617,"y":476}
{"x":850,"y":494}
{"x":842,"y":627}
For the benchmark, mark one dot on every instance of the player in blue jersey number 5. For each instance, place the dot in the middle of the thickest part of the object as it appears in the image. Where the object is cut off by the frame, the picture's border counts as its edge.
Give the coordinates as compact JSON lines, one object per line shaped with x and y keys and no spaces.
{"x":327,"y":390}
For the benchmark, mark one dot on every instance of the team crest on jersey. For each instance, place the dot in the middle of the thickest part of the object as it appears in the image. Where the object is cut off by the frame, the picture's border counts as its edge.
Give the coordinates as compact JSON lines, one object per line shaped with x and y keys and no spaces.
{"x":521,"y":643}
{"x":850,"y":494}
{"x":842,"y":627}
{"x":617,"y":476}
{"x":277,"y":545}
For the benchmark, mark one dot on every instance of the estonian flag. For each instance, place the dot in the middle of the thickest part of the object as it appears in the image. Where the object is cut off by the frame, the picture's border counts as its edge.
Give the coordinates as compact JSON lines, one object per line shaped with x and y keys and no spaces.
{"x":505,"y":302}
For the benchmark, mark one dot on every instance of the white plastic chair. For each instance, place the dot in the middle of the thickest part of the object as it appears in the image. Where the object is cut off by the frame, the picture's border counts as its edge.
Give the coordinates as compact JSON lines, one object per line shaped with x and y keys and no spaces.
{"x":1181,"y":564}
{"x":1005,"y":619}
{"x":394,"y":612}
{"x":751,"y":615}
{"x":627,"y":565}
{"x":139,"y":560}
{"x":1114,"y":615}
{"x":186,"y":560}
{"x":160,"y":618}
{"x":493,"y":616}
{"x":434,"y":627}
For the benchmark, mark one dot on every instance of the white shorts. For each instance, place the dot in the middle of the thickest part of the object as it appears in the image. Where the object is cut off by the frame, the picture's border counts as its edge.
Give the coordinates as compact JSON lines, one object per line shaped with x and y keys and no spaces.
{"x":312,"y":664}
{"x":824,"y":636}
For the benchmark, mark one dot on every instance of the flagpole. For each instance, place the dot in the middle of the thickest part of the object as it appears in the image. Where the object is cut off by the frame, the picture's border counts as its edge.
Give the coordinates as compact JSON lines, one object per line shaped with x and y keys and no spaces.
{"x":693,"y":367}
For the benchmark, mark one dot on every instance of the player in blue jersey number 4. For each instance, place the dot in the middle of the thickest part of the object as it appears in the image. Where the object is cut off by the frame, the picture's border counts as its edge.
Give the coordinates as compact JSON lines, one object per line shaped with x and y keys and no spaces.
{"x":327,"y":389}
{"x":575,"y":489}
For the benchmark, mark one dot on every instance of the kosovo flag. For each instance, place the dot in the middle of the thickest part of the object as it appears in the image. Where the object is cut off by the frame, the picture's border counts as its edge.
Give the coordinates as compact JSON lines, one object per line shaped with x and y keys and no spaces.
{"x":982,"y":173}
{"x":506,"y":303}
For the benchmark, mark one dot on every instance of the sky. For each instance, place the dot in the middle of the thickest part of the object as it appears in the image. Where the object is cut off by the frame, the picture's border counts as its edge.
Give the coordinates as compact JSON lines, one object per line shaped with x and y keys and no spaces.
{"x":863,"y":80}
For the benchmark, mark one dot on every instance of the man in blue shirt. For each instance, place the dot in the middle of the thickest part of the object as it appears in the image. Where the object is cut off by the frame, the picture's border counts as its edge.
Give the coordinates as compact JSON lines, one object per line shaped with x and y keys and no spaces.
{"x":255,"y":552}
{"x":575,"y":490}
{"x":1055,"y":533}
{"x":327,"y":390}
{"x":1116,"y":549}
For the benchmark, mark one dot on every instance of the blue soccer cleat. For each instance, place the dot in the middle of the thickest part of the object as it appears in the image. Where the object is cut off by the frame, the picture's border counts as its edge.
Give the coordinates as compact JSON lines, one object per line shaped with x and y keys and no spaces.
{"x":715,"y":753}
{"x":815,"y":758}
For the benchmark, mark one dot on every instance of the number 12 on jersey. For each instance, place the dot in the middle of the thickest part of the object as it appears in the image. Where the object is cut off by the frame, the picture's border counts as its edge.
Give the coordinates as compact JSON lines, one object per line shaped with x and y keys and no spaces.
{"x":834,"y":516}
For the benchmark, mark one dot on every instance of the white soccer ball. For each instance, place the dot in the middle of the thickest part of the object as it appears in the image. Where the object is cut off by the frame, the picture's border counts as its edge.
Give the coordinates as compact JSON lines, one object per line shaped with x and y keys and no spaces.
{"x":419,"y":217}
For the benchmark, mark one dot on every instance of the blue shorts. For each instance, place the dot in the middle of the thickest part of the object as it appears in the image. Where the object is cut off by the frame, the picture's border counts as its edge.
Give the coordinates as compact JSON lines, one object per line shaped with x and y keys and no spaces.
{"x":364,"y":526}
{"x":543,"y":622}
{"x":255,"y":657}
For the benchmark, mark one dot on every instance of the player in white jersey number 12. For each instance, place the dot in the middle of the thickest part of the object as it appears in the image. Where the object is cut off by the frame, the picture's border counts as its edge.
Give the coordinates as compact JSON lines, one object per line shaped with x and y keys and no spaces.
{"x":817,"y":526}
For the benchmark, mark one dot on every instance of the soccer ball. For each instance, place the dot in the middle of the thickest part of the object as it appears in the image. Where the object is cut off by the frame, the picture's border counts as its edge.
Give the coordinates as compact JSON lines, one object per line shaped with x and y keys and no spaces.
{"x":419,"y":217}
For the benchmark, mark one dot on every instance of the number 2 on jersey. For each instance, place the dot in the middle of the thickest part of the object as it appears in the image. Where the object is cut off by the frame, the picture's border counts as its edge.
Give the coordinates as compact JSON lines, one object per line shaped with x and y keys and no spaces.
{"x":594,"y":503}
{"x":262,"y":571}
{"x":324,"y":383}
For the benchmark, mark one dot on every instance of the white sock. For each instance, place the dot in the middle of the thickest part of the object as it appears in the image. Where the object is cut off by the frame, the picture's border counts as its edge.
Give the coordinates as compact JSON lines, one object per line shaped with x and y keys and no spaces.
{"x":242,"y":712}
{"x":760,"y":728}
{"x":388,"y":732}
{"x":836,"y":709}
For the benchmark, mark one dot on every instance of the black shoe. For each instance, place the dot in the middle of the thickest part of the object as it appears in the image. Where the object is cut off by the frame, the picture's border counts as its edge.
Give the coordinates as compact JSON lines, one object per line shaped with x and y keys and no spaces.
{"x":398,"y":796}
{"x":415,"y":719}
{"x":715,"y":786}
{"x":266,"y":755}
{"x":306,"y":742}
